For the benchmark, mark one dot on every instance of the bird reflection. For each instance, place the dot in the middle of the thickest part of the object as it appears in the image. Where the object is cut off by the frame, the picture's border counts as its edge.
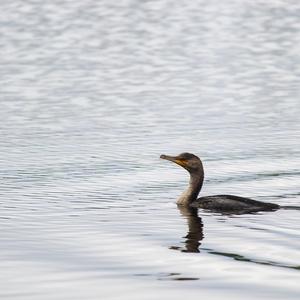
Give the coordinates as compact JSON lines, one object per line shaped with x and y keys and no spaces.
{"x":195,"y":230}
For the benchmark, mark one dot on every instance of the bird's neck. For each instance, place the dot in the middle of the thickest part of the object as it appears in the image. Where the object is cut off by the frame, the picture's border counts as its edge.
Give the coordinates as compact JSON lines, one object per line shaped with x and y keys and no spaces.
{"x":191,"y":193}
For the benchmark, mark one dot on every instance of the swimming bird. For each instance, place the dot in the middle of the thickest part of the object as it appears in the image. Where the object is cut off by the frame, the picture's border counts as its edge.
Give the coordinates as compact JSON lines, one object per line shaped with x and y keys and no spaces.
{"x":218,"y":203}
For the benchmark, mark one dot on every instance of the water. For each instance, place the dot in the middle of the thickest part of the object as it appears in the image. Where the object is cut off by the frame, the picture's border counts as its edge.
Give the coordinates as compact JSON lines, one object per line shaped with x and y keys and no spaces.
{"x":92,"y":93}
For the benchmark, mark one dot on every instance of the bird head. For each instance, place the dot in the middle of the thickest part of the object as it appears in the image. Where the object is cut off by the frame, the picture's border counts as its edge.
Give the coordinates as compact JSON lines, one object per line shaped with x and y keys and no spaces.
{"x":190,"y":162}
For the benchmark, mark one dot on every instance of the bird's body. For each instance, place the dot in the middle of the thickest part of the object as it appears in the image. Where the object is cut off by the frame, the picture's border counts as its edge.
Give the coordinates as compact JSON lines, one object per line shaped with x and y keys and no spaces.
{"x":218,"y":203}
{"x":232,"y":204}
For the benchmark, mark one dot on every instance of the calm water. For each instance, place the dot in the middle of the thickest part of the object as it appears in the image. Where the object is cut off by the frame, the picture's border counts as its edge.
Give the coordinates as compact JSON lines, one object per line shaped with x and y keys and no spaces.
{"x":92,"y":93}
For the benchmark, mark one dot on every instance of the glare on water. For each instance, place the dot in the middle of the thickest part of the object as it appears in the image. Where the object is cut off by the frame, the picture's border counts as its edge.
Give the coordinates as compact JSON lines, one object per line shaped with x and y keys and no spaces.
{"x":92,"y":93}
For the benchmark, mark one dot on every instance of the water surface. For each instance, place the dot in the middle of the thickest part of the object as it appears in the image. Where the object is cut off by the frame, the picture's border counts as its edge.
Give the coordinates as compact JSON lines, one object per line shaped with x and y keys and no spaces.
{"x":92,"y":93}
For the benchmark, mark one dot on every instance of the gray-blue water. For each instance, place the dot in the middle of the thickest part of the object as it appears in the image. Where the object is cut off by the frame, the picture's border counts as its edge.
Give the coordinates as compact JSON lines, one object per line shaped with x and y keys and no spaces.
{"x":92,"y":92}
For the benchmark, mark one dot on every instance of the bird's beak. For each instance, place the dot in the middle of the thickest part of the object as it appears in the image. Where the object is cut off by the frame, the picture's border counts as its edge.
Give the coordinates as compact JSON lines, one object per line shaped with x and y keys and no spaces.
{"x":174,"y":159}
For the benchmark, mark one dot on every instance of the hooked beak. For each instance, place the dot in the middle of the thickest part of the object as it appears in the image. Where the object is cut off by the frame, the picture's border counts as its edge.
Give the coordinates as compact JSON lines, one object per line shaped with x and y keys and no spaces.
{"x":175,"y":159}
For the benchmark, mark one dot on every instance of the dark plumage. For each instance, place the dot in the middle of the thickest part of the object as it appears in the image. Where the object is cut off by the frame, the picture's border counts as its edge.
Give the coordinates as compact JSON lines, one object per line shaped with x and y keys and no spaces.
{"x":219,"y":203}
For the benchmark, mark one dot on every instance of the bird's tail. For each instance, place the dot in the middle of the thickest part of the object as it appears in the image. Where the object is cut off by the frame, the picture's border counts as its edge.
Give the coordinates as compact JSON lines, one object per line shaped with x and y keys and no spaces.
{"x":290,"y":207}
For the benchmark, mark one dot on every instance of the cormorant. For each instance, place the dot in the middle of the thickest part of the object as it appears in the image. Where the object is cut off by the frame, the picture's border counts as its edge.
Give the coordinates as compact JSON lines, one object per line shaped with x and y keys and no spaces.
{"x":219,"y":203}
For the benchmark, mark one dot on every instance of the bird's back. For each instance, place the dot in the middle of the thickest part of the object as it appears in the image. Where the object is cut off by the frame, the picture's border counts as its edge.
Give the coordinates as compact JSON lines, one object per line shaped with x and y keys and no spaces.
{"x":232,"y":204}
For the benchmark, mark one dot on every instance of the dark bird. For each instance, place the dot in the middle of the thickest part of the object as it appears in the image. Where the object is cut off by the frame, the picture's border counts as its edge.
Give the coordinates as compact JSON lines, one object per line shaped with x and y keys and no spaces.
{"x":219,"y":203}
